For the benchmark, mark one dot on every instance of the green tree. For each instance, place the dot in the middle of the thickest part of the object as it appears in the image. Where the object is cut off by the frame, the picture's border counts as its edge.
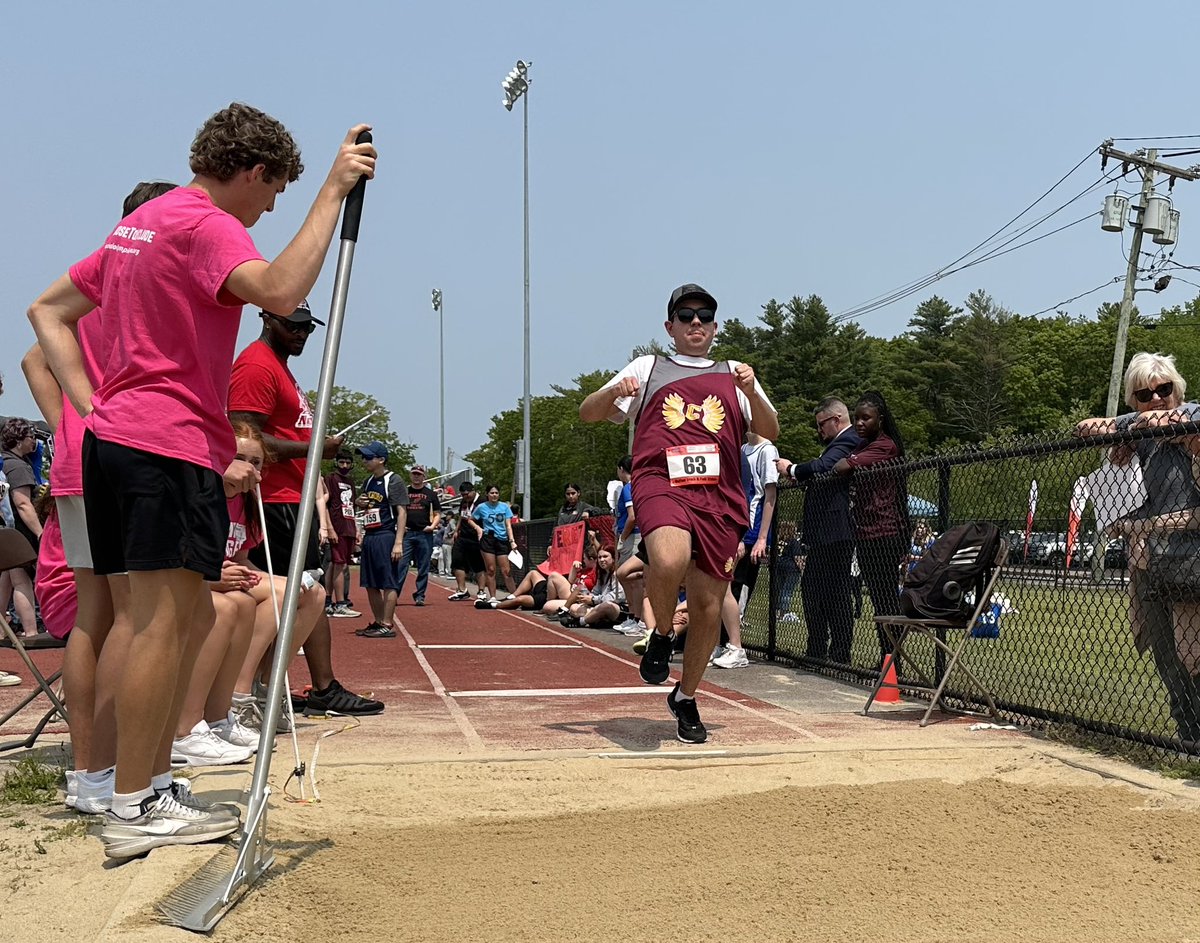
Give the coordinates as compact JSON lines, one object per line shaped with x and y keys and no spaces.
{"x":347,"y":406}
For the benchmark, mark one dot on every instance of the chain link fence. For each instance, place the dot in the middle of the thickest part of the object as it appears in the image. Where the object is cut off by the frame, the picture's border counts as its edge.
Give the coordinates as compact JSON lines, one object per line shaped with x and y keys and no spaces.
{"x":1085,"y":630}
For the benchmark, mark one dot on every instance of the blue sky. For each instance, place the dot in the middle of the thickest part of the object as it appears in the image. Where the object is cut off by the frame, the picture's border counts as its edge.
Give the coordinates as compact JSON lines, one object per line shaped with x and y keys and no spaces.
{"x":762,"y":149}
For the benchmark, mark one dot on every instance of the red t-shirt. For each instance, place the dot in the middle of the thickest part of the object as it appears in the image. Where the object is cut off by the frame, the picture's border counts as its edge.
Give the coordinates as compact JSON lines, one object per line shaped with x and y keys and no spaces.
{"x":261,"y":383}
{"x":169,"y":325}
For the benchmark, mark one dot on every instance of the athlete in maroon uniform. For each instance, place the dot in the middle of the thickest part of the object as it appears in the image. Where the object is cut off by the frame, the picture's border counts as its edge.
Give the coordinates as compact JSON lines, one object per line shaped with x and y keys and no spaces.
{"x":690,"y":416}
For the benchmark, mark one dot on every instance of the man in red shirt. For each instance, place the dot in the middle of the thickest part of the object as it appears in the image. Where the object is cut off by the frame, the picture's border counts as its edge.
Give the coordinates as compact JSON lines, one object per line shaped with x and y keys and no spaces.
{"x":263,"y":393}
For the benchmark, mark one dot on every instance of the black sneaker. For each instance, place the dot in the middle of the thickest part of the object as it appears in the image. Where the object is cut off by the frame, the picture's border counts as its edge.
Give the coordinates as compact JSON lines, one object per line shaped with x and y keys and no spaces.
{"x":656,"y":660}
{"x":379,"y":630}
{"x":689,"y":728}
{"x":419,"y":602}
{"x":365,"y":629}
{"x":337,"y":700}
{"x":483,"y":603}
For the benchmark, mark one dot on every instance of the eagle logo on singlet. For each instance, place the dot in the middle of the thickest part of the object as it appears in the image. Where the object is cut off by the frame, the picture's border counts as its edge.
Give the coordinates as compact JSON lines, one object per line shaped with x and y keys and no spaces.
{"x":710,"y":413}
{"x":729,"y":565}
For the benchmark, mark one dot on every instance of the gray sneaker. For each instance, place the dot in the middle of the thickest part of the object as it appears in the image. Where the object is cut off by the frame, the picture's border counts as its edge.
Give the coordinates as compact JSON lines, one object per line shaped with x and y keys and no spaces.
{"x":163,"y":821}
{"x":181,"y":789}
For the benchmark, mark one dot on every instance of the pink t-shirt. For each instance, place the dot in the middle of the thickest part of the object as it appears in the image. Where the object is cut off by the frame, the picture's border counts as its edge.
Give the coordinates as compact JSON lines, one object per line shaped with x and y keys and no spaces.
{"x":54,"y":582}
{"x":66,"y":477}
{"x":240,"y":537}
{"x":170,"y":325}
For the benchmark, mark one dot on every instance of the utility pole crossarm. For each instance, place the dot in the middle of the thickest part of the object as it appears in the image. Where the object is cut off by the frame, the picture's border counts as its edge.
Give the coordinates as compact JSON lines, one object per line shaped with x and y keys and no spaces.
{"x":1149,"y":161}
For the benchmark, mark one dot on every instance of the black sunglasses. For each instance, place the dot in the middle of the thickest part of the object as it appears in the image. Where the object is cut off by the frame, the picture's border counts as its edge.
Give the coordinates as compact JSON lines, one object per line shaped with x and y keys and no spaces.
{"x":1162,"y":391}
{"x":304,"y":327}
{"x":687,"y":315}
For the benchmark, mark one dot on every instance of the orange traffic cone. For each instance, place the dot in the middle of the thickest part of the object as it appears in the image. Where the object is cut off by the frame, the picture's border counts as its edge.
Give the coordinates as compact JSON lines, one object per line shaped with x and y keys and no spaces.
{"x":889,"y":691}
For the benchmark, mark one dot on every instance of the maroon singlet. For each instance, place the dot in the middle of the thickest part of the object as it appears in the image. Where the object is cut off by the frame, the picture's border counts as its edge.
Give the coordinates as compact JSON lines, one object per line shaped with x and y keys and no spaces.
{"x":690,"y":419}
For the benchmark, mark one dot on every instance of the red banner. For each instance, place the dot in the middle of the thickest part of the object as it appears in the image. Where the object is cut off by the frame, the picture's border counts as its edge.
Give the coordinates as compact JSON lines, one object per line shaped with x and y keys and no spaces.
{"x":566,"y":546}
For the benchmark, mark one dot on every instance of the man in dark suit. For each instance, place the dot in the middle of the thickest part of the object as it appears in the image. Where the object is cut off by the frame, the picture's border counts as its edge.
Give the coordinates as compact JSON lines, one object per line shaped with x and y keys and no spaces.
{"x":825,"y":585}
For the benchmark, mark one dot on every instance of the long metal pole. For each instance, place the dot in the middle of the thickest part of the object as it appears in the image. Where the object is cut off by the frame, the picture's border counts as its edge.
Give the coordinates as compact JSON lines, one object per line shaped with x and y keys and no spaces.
{"x":525,"y":417}
{"x":1135,"y":254}
{"x":442,"y":376}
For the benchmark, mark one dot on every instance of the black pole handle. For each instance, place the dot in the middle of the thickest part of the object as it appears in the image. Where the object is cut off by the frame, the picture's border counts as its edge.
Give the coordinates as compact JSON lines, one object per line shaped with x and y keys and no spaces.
{"x":354,"y":200}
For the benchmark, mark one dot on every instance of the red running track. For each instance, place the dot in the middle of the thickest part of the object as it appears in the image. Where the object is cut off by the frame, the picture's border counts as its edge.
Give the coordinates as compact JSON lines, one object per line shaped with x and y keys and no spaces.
{"x":461,"y":680}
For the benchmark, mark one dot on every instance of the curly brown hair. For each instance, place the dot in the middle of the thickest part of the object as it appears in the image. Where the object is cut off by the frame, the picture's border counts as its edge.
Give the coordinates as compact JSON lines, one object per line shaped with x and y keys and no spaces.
{"x":238,"y":138}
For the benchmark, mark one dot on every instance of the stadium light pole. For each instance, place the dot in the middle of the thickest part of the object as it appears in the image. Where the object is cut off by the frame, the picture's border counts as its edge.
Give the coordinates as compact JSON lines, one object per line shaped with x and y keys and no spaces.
{"x":437,"y":306}
{"x":516,"y":86}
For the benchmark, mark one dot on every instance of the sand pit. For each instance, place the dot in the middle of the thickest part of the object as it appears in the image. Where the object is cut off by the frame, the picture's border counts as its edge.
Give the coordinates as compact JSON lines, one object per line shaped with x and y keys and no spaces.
{"x":992,"y":843}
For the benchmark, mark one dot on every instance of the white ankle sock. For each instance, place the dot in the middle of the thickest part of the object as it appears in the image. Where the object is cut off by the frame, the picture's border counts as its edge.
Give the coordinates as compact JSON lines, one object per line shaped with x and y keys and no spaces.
{"x":128,"y":805}
{"x":680,"y":696}
{"x":161,"y":782}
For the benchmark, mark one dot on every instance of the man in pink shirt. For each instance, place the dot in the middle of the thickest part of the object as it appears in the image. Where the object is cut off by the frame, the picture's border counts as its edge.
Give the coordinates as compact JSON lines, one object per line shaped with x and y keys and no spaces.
{"x":158,"y":461}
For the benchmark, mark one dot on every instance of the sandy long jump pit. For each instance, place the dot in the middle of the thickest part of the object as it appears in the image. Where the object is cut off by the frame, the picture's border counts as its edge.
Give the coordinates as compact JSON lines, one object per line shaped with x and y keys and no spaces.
{"x":1004,"y":839}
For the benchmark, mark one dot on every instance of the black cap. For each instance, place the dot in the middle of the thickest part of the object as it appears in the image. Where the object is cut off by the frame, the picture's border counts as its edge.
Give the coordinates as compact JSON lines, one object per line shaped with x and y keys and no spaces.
{"x":302,"y":315}
{"x":689,"y":290}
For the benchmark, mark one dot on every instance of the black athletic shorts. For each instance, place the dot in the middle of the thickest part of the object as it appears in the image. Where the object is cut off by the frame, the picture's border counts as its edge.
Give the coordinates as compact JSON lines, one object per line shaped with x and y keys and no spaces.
{"x":539,"y":594}
{"x":490,"y":543}
{"x":281,"y":531}
{"x":151,"y":512}
{"x":465,"y":556}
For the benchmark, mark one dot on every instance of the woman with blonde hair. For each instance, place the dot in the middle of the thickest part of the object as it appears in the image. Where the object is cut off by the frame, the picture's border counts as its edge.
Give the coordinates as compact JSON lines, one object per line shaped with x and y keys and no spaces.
{"x":1163,"y":534}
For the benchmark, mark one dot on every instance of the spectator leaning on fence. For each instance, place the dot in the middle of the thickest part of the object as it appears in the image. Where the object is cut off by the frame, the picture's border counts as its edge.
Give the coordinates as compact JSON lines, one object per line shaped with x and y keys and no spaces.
{"x":879,"y":506}
{"x":827,"y":534}
{"x":1162,"y":534}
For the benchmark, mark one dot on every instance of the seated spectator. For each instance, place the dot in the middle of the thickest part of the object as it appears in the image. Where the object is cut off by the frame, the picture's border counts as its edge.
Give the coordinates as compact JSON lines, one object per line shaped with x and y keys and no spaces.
{"x":537,"y":592}
{"x":16,"y":586}
{"x":597,"y":607}
{"x":922,"y":540}
{"x":574,"y":509}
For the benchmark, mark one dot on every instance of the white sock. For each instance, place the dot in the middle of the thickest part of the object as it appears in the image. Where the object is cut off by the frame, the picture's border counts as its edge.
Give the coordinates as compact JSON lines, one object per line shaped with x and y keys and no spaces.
{"x":680,"y":696}
{"x":161,"y":782}
{"x":94,"y":782}
{"x":128,"y":805}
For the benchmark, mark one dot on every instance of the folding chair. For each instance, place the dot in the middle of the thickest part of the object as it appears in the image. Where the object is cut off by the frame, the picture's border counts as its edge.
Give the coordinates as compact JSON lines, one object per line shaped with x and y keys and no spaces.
{"x":898,"y":629}
{"x":16,"y":551}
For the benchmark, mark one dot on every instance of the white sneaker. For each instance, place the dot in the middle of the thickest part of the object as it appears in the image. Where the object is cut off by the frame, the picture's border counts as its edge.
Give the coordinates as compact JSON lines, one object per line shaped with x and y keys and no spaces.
{"x":626,"y":626}
{"x":732,"y":658}
{"x":202,"y":747}
{"x":716,"y":653}
{"x":164,"y":821}
{"x":94,"y":797}
{"x":8,"y":679}
{"x":181,"y":791}
{"x":231,"y":731}
{"x":638,"y":628}
{"x":482,"y":594}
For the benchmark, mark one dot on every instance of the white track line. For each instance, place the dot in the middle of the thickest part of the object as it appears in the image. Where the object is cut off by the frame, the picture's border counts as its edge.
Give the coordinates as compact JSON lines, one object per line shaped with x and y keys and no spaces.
{"x":558,"y":692}
{"x":455,"y":710}
{"x":795,"y":728}
{"x":426,"y":647}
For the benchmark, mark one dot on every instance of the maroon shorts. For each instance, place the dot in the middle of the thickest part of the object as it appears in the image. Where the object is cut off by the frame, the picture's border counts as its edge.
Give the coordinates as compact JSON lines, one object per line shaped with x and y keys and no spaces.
{"x":715,"y":539}
{"x":341,"y":549}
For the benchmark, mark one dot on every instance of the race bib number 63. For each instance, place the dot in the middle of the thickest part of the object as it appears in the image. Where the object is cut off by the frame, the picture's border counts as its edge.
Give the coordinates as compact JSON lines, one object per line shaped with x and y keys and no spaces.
{"x":690,"y":465}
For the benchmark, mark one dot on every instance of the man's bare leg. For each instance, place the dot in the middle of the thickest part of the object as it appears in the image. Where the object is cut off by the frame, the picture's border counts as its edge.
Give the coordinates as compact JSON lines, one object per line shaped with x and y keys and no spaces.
{"x":705,"y":595}
{"x":671,"y":550}
{"x":162,"y":604}
{"x":82,"y":655}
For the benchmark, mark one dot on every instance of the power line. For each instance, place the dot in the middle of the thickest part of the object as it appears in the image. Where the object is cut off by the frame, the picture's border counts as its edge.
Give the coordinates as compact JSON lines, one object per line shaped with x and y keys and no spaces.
{"x":1162,"y":137}
{"x":1091,"y":291}
{"x":919,"y":283}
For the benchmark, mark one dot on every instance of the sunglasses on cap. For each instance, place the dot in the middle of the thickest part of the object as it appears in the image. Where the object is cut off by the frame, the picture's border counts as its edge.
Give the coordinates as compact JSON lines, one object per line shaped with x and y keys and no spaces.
{"x":687,"y":315}
{"x":1162,"y":391}
{"x":303,"y":327}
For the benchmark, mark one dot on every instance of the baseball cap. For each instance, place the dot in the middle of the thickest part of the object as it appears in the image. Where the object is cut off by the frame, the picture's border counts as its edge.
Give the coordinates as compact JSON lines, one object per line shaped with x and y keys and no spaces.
{"x":690,"y":290}
{"x":302,"y":315}
{"x":418,"y":468}
{"x":374,"y":449}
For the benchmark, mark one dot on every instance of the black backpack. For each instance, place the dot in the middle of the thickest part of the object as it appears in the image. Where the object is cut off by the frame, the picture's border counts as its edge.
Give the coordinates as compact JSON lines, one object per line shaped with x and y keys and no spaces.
{"x":957,"y":562}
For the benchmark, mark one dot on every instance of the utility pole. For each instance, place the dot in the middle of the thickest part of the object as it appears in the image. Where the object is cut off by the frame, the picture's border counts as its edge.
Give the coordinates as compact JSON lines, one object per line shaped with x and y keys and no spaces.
{"x":1147,"y":161}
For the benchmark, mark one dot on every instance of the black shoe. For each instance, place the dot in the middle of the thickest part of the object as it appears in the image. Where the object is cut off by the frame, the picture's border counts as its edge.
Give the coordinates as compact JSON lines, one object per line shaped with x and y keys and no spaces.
{"x":483,"y":604}
{"x":335,"y":699}
{"x":365,"y":629}
{"x":689,"y":727}
{"x":379,"y":630}
{"x":656,"y":660}
{"x":299,"y":701}
{"x":419,"y":602}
